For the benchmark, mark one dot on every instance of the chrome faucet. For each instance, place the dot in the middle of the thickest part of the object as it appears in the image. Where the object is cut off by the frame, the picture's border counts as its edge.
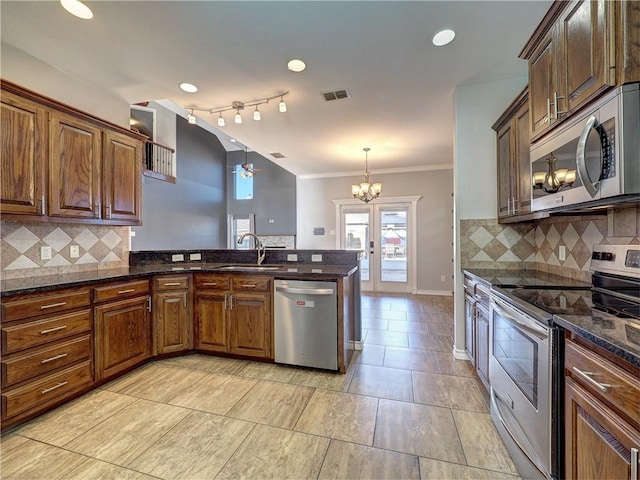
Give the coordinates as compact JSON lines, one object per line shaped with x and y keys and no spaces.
{"x":262,"y":252}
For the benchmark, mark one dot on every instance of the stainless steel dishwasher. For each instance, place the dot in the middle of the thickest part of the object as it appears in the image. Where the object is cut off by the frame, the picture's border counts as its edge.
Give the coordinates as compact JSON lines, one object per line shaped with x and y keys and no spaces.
{"x":306,"y":323}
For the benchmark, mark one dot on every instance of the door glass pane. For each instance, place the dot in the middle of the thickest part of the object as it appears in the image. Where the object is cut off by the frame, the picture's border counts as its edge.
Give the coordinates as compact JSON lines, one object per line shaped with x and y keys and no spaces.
{"x":393,"y":251}
{"x":241,"y":225}
{"x":356,"y":228}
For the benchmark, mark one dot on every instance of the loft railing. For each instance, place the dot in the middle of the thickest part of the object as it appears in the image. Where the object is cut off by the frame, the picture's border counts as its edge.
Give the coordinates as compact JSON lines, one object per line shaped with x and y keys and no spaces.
{"x":159,"y":161}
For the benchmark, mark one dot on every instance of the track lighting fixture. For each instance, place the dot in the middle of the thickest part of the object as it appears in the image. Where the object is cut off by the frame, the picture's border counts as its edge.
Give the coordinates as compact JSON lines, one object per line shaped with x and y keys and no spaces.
{"x":191,"y":118}
{"x":238,"y":107}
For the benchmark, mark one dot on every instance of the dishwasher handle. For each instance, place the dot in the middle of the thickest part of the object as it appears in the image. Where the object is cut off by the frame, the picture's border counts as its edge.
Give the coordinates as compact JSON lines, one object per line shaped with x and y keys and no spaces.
{"x":306,"y":291}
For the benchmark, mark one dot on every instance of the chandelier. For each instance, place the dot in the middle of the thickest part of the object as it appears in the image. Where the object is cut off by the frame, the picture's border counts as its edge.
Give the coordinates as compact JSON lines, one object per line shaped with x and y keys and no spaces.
{"x":366,"y":191}
{"x":553,"y":180}
{"x":238,"y":107}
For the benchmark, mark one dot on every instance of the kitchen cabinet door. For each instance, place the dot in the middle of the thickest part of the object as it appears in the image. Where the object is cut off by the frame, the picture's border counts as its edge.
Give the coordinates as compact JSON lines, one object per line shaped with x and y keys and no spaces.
{"x":598,"y":443}
{"x":123,"y":335}
{"x":505,"y":170}
{"x":482,"y":345}
{"x":173,"y":323}
{"x":122,"y":176}
{"x":543,"y":83}
{"x":211,"y":320}
{"x":250,"y":325}
{"x":74,"y":167}
{"x":470,"y":328}
{"x":22,"y":175}
{"x":522,"y":162}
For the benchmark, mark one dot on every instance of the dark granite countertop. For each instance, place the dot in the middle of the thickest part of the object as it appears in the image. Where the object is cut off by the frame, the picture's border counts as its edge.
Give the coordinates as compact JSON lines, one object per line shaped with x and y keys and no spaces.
{"x":524,"y":278}
{"x":51,"y":282}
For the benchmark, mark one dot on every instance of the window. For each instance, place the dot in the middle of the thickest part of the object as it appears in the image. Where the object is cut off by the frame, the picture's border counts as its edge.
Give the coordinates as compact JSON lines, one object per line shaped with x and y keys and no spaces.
{"x":244,"y":182}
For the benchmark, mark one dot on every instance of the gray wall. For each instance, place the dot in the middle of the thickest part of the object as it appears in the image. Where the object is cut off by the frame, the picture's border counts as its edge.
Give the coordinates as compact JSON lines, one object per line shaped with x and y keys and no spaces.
{"x":191,"y":213}
{"x":274,"y":195}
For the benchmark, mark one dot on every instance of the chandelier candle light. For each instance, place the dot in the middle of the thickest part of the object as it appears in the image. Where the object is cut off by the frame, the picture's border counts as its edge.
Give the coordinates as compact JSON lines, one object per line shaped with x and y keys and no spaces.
{"x":554,"y":180}
{"x":366,"y":191}
{"x":238,"y":107}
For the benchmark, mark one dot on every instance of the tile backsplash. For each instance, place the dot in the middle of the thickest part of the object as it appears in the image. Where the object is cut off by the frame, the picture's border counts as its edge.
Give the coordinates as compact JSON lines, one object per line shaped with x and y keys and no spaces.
{"x":488,"y":244}
{"x":99,"y":247}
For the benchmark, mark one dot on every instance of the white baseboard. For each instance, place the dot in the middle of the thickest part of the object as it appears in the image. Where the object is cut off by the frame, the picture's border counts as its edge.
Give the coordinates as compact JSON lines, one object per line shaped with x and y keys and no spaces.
{"x":460,"y":354}
{"x":440,"y":293}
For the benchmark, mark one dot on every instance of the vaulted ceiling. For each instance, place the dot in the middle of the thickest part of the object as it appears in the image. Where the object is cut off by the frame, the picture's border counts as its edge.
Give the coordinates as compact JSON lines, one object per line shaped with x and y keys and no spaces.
{"x":400,"y":85}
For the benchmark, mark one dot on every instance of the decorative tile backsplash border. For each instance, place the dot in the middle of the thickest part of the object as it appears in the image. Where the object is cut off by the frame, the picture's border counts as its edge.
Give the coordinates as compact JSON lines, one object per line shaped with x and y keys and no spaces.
{"x":488,"y":244}
{"x":99,"y":247}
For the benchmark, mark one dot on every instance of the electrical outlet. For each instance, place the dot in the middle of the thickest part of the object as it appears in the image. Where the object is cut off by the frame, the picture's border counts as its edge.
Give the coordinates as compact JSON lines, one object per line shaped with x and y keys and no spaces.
{"x":292,"y":257}
{"x":562,"y":253}
{"x":74,"y":251}
{"x":45,"y":253}
{"x":178,"y":257}
{"x":443,"y":278}
{"x":195,"y":256}
{"x":316,"y":258}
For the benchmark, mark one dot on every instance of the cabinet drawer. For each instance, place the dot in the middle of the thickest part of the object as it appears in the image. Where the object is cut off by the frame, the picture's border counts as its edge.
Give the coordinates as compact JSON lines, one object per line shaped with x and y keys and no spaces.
{"x":604,"y":379}
{"x":212,"y":282}
{"x":50,"y":389}
{"x":44,"y":304}
{"x":120,"y":290}
{"x":39,"y":332}
{"x":171,"y":282}
{"x":251,"y":284}
{"x":23,"y":367}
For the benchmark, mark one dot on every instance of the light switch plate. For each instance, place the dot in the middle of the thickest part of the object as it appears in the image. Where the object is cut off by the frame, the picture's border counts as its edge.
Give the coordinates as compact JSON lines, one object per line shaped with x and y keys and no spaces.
{"x":562,"y":253}
{"x":195,"y":256}
{"x":177,"y":257}
{"x":292,"y":257}
{"x":316,"y":258}
{"x":45,"y":253}
{"x":74,"y":251}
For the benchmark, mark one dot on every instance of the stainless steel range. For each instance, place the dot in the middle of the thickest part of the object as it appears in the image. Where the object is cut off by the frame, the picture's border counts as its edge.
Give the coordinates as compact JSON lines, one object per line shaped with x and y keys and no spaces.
{"x":526,"y":364}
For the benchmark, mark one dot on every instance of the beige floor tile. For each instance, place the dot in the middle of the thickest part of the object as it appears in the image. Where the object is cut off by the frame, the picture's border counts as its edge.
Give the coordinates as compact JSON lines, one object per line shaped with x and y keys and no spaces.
{"x":343,"y":416}
{"x":187,"y":361}
{"x":272,"y":453}
{"x":93,"y":469}
{"x":158,"y":383}
{"x":374,"y":323}
{"x":273,"y":403}
{"x":449,"y":365}
{"x":128,"y":433}
{"x":213,"y":393}
{"x":371,"y":355}
{"x":443,"y":329}
{"x":268,"y":371}
{"x":430,"y":342}
{"x":62,"y":425}
{"x":411,"y":359}
{"x":382,"y":382}
{"x":416,"y":429}
{"x":388,"y":315}
{"x":403,"y":326}
{"x":198,"y":447}
{"x":435,"y":469}
{"x":429,"y":317}
{"x":230,"y":366}
{"x":9,"y":441}
{"x":326,"y":380}
{"x":448,"y":391}
{"x":481,"y":442}
{"x":33,"y":460}
{"x":350,"y":461}
{"x":388,"y":339}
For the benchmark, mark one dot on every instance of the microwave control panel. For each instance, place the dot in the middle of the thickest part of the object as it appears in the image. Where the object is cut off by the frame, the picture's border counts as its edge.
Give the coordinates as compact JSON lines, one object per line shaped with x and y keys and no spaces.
{"x":607,"y":141}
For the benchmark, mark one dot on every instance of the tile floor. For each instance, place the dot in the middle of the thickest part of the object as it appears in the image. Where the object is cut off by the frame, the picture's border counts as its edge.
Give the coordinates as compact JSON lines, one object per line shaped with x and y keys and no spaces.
{"x":405,"y":409}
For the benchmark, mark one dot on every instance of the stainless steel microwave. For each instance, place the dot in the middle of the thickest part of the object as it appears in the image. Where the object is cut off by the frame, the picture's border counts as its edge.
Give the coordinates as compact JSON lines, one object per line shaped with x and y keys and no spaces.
{"x":595,"y":157}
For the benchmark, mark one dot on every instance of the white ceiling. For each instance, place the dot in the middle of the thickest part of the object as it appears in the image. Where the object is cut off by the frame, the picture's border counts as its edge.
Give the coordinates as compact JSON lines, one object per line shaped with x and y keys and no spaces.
{"x":401,"y":86}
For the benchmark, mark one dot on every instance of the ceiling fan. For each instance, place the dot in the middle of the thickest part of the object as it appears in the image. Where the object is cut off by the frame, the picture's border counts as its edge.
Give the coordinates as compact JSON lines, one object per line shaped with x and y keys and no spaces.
{"x":245,"y":169}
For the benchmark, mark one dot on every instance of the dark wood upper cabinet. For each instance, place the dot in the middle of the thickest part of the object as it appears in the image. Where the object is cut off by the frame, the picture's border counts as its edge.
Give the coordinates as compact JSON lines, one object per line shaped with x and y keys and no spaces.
{"x":22,"y":176}
{"x":122,"y":178}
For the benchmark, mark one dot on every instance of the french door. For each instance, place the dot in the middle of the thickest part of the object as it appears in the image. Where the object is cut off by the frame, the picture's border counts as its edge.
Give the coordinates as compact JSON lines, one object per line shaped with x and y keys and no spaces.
{"x":385,"y":234}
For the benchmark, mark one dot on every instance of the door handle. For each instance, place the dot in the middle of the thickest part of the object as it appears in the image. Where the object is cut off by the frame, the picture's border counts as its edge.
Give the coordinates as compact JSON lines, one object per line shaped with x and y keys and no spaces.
{"x":581,"y":163}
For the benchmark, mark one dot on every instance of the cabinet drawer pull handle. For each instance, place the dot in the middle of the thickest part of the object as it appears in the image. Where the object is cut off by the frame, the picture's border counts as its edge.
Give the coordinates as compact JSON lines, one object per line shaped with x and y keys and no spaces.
{"x":209,"y":284}
{"x":47,"y":390}
{"x":603,"y":387}
{"x":247,"y":285}
{"x":51,"y":359}
{"x":109,"y":211}
{"x":128,"y":290}
{"x":634,"y":464}
{"x":171,"y":284}
{"x":52,"y":305}
{"x":54,"y":329}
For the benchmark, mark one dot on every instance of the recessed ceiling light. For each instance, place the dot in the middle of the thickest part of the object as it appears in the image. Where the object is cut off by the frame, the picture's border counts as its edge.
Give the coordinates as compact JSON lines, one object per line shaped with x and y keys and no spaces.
{"x":443,"y":37}
{"x":188,"y":87}
{"x":296,"y":65}
{"x":77,"y":8}
{"x":232,"y":140}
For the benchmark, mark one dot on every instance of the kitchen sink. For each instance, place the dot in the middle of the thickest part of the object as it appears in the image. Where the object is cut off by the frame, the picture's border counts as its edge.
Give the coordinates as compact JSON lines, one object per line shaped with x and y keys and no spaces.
{"x":250,"y":268}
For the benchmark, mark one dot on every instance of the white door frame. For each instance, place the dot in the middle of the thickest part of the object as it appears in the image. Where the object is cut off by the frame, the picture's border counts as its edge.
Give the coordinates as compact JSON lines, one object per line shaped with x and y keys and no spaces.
{"x":412,"y":228}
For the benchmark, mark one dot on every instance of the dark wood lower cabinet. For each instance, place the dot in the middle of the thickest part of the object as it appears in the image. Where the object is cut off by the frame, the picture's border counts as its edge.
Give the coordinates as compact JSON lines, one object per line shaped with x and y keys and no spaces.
{"x":250,"y":325}
{"x":211,"y":321}
{"x":173,"y":321}
{"x":123,"y":335}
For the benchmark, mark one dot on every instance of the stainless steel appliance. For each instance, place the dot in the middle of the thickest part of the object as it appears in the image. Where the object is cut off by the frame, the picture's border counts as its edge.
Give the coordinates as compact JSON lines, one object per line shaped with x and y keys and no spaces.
{"x":593,"y":160}
{"x":306,"y":323}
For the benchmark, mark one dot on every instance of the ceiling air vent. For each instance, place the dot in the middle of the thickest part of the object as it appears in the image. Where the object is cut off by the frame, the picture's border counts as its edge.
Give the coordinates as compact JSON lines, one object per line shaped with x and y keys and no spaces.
{"x":277,"y":155}
{"x":336,"y":95}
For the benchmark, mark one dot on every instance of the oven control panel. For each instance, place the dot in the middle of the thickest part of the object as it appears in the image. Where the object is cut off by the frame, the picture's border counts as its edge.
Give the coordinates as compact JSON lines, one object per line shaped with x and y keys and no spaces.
{"x":616,"y":259}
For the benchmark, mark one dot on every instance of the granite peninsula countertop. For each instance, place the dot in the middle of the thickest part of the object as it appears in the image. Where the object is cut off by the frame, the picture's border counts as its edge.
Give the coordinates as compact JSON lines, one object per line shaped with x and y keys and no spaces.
{"x":51,"y":282}
{"x":512,"y":278}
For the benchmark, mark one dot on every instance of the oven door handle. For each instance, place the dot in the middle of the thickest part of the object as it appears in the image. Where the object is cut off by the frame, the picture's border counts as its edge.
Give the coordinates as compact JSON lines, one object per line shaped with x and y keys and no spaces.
{"x":581,"y":164}
{"x":529,"y":325}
